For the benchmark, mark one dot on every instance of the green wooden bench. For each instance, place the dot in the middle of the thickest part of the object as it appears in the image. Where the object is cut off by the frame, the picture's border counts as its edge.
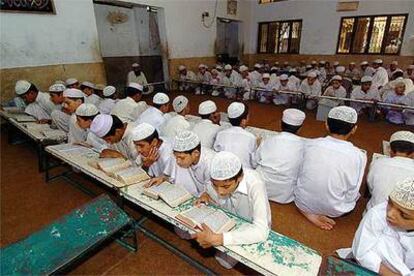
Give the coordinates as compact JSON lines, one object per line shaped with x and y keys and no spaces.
{"x":61,"y":243}
{"x":339,"y":266}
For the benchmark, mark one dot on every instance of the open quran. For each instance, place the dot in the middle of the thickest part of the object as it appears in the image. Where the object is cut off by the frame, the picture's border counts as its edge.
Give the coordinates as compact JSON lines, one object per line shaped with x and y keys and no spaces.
{"x":23,"y":118}
{"x":172,"y":194}
{"x":111,"y":165}
{"x":386,"y":148}
{"x":121,"y":170}
{"x":131,"y":175}
{"x":215,"y":219}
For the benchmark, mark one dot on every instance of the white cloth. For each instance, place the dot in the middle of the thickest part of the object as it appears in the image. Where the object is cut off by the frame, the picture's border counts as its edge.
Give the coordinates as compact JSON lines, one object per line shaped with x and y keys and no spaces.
{"x":280,"y":99}
{"x":248,"y":201}
{"x":233,"y":80}
{"x":61,"y":120}
{"x":42,"y":107}
{"x":165,"y":156}
{"x":76,"y":133}
{"x":152,"y":116}
{"x":279,"y":159}
{"x":358,"y":94}
{"x":190,"y":76}
{"x":204,"y":78}
{"x":255,"y":78}
{"x":332,"y":92}
{"x":330,"y":177}
{"x":295,"y":81}
{"x":126,"y":146}
{"x":93,"y":99}
{"x":238,"y":141}
{"x":106,"y":106}
{"x":140,"y":79}
{"x":97,"y":143}
{"x":407,"y":113}
{"x":174,"y":125}
{"x":384,"y":173}
{"x":127,"y":110}
{"x":369,"y":71}
{"x":310,"y":90}
{"x":376,"y":242}
{"x":380,"y":77}
{"x":207,"y":132}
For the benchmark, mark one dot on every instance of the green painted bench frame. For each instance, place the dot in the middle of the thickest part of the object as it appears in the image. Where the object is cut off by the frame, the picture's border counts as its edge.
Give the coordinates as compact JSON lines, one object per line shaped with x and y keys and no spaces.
{"x":63,"y":242}
{"x":339,"y":266}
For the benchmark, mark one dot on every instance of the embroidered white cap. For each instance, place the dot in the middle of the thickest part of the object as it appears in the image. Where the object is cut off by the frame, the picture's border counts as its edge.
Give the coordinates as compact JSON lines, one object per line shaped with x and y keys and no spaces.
{"x":340,"y":69}
{"x":243,"y":68}
{"x":403,"y":193}
{"x":336,"y":77}
{"x":101,"y":125}
{"x":207,"y":107}
{"x":179,"y":103}
{"x":73,"y":93}
{"x":364,"y":63}
{"x":202,"y":66}
{"x":185,"y":141}
{"x":266,"y":76}
{"x":22,"y":86}
{"x":135,"y":64}
{"x":313,"y":62}
{"x":236,"y":109}
{"x":366,"y":79}
{"x":402,"y":135}
{"x":160,"y":98}
{"x":224,"y":165}
{"x":56,"y":88}
{"x":71,"y":81}
{"x":228,"y":67}
{"x":378,"y":61}
{"x":312,"y":74}
{"x":88,"y":84}
{"x":109,"y":90}
{"x":142,"y":131}
{"x":293,"y":116}
{"x":181,"y":68}
{"x":87,"y":109}
{"x":336,"y":63}
{"x":344,"y":113}
{"x":283,"y":77}
{"x":257,"y":65}
{"x":136,"y":86}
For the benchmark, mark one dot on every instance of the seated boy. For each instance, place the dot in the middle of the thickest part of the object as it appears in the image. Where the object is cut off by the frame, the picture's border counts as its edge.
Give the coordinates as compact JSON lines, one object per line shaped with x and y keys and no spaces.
{"x":109,"y":101}
{"x":177,"y":123}
{"x":207,"y":128}
{"x":155,"y":114}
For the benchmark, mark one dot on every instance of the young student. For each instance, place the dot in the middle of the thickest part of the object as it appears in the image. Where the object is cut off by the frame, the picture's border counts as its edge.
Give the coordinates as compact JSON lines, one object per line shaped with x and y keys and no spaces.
{"x":311,"y":87}
{"x":215,"y":80}
{"x":231,"y":79}
{"x":136,"y":75}
{"x":88,"y":89}
{"x":177,"y":123}
{"x":331,"y":172}
{"x":109,"y":101}
{"x":284,"y":85}
{"x":395,"y":116}
{"x":380,"y":77}
{"x":204,"y":77}
{"x":56,"y":95}
{"x":365,"y":92}
{"x":208,"y":127}
{"x":366,"y":70}
{"x":72,"y":83}
{"x":38,"y":103}
{"x":191,"y":166}
{"x":155,"y":152}
{"x":242,"y":192}
{"x":335,"y":89}
{"x":384,"y":172}
{"x":118,"y":136}
{"x":279,"y":158}
{"x":155,"y":114}
{"x":246,"y":83}
{"x":184,"y":76}
{"x":384,"y":241}
{"x":236,"y":139}
{"x":129,"y":109}
{"x":268,"y":85}
{"x":72,"y":99}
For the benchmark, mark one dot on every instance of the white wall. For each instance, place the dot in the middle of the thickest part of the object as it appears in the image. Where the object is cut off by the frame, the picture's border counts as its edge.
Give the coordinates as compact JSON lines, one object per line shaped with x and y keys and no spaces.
{"x":69,"y":36}
{"x":321,"y":21}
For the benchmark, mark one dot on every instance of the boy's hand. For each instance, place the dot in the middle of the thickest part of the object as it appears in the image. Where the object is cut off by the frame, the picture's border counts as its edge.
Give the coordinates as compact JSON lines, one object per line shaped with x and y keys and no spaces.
{"x":155,"y":181}
{"x":110,"y":153}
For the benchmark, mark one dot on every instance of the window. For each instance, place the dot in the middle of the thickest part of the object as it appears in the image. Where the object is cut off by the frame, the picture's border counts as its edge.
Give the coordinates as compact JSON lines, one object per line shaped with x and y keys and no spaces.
{"x":371,"y":34}
{"x":280,"y":37}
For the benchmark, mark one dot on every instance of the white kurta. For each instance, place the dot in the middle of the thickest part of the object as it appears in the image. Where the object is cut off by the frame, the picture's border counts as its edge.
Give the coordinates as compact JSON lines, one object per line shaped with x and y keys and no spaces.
{"x":409,"y":113}
{"x":93,"y":99}
{"x":369,"y":71}
{"x":380,"y":77}
{"x":152,"y":116}
{"x":204,"y":78}
{"x":279,"y":159}
{"x":238,"y":141}
{"x":279,"y":99}
{"x":141,"y":79}
{"x":255,"y":78}
{"x":384,"y":173}
{"x":248,"y":201}
{"x":330,"y":177}
{"x":190,"y":76}
{"x":332,"y":92}
{"x":106,"y":106}
{"x":295,"y":81}
{"x":165,"y":156}
{"x":127,"y":110}
{"x":126,"y":146}
{"x":174,"y":125}
{"x":195,"y":178}
{"x":234,"y":80}
{"x":61,"y":120}
{"x":371,"y":95}
{"x":264,"y":96}
{"x":207,"y":132}
{"x":377,"y":242}
{"x":311,"y":90}
{"x":76,"y":133}
{"x":42,"y":107}
{"x":97,"y":143}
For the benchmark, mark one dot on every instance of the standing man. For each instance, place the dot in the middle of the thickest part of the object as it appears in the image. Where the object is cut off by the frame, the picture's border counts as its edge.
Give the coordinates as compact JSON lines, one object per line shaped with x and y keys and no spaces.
{"x":137,"y":76}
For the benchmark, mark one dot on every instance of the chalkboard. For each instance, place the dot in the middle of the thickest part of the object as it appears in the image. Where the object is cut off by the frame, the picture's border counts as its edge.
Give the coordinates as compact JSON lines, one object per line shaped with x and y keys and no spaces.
{"x":36,"y":6}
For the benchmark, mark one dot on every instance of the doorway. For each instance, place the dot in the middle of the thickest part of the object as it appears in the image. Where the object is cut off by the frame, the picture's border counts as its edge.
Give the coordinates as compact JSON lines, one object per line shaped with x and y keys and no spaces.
{"x":228,"y":42}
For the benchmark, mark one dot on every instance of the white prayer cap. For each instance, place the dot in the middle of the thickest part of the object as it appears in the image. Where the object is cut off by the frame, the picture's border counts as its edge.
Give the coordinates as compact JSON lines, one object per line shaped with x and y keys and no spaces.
{"x":352,"y":63}
{"x":135,"y":64}
{"x":60,"y":82}
{"x":377,"y":61}
{"x":202,"y":66}
{"x":22,"y":86}
{"x":57,"y":88}
{"x":336,"y":63}
{"x":403,"y":193}
{"x":101,"y":125}
{"x":293,"y":70}
{"x":160,"y":98}
{"x":88,"y":84}
{"x":322,"y":62}
{"x":142,"y":131}
{"x":219,"y":67}
{"x":364,"y":63}
{"x":228,"y":67}
{"x":336,"y":77}
{"x":109,"y":90}
{"x":313,"y":62}
{"x":243,"y":68}
{"x":394,"y":62}
{"x":207,"y":107}
{"x":71,"y":81}
{"x":308,"y":66}
{"x":179,"y":103}
{"x":293,"y":116}
{"x":181,"y":68}
{"x":344,"y":113}
{"x":311,"y":74}
{"x":185,"y":141}
{"x":136,"y":86}
{"x":273,"y":68}
{"x":214,"y":71}
{"x":73,"y":93}
{"x":225,"y":165}
{"x":235,"y":109}
{"x":87,"y":109}
{"x":266,"y":76}
{"x":284,"y":77}
{"x":411,"y":67}
{"x":257,"y":65}
{"x":366,"y":79}
{"x":398,"y":70}
{"x":340,"y":69}
{"x":403,"y":135}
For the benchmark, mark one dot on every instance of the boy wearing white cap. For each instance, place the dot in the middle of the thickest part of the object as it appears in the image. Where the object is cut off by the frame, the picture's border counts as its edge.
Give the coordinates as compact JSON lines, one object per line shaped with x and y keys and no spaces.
{"x":72,"y":99}
{"x":246,"y":83}
{"x":38,"y":103}
{"x":366,"y":92}
{"x":136,"y":75}
{"x":242,"y":192}
{"x":293,"y":79}
{"x":207,"y":128}
{"x":232,"y":79}
{"x":155,"y":152}
{"x":384,"y":241}
{"x":236,"y":139}
{"x":72,"y":83}
{"x":366,"y":70}
{"x":392,"y":69}
{"x":191,"y":166}
{"x":332,"y":171}
{"x":335,"y":89}
{"x":409,"y":72}
{"x":266,"y":84}
{"x":129,"y":109}
{"x":203,"y":77}
{"x":352,"y":72}
{"x":279,"y":158}
{"x":56,"y":95}
{"x":186,"y":75}
{"x":283,"y":85}
{"x":311,"y":87}
{"x":255,"y":75}
{"x":109,"y":101}
{"x":384,"y":172}
{"x":380,"y":77}
{"x":117,"y":135}
{"x":408,"y":114}
{"x":178,"y":122}
{"x":155,"y":114}
{"x":395,"y":116}
{"x":88,"y":89}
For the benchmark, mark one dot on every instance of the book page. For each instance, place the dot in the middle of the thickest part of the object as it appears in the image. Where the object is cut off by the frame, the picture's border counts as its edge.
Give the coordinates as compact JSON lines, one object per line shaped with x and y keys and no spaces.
{"x":174,"y":195}
{"x":386,"y":148}
{"x":198,"y":214}
{"x":54,"y":133}
{"x":110,"y":165}
{"x":24,"y":118}
{"x":132,"y":175}
{"x":219,"y":222}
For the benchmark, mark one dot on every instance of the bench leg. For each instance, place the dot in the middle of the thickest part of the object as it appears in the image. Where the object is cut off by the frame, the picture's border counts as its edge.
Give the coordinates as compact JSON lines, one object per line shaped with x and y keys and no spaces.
{"x":130,"y":234}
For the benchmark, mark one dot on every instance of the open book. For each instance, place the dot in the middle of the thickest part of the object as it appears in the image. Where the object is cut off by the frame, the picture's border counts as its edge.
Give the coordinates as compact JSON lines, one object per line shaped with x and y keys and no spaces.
{"x":131,"y":175}
{"x":172,"y":194}
{"x":21,"y":118}
{"x":112,"y":165}
{"x":215,"y":219}
{"x":54,"y":134}
{"x":386,"y":148}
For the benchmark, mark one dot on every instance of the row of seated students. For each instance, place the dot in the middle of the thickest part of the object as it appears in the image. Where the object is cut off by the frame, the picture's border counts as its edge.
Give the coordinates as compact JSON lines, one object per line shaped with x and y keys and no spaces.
{"x":223,"y":163}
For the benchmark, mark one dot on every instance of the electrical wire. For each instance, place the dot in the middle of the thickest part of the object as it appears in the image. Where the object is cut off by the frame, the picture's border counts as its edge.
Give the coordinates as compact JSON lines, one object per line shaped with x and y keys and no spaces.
{"x":213,"y":19}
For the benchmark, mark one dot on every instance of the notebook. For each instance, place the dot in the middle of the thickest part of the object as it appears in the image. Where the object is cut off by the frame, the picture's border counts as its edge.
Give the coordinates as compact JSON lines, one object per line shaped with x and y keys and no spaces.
{"x":172,"y":194}
{"x":215,"y":219}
